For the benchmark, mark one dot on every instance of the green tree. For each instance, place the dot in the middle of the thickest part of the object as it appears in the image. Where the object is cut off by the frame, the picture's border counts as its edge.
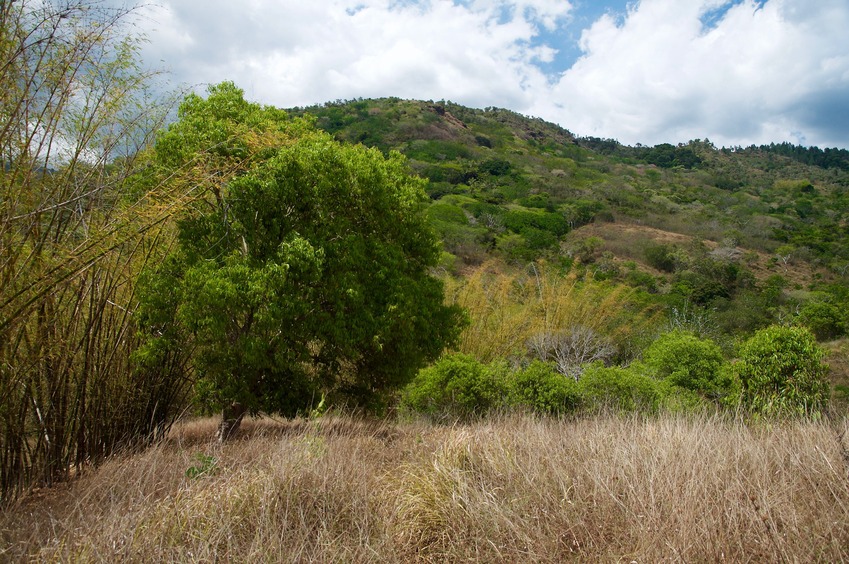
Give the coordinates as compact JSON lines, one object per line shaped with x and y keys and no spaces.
{"x":825,"y":319}
{"x":781,"y":372}
{"x":307,"y":275}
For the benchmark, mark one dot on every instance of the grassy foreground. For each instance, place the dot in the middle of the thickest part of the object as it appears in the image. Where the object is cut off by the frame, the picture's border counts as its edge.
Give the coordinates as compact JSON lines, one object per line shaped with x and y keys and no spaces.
{"x":515,"y":488}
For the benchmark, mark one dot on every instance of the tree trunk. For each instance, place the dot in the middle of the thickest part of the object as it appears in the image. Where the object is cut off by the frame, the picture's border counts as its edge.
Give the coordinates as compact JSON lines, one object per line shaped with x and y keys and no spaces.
{"x":231,"y":419}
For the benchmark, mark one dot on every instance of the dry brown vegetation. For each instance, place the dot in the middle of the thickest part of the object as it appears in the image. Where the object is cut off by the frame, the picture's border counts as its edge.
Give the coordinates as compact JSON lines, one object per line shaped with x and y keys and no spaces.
{"x":628,"y":241}
{"x":514,"y":488}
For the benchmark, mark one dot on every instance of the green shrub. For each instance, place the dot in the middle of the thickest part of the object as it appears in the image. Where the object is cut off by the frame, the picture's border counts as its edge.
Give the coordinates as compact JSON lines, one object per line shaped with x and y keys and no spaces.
{"x":447,"y":213}
{"x":644,"y":280}
{"x":782,"y":373}
{"x":519,"y":221}
{"x":537,"y":239}
{"x":540,"y":201}
{"x":689,"y":362}
{"x":624,"y":389}
{"x":436,"y":150}
{"x":456,"y":386}
{"x":661,"y":257}
{"x":541,"y":388}
{"x":823,"y":318}
{"x":495,"y":166}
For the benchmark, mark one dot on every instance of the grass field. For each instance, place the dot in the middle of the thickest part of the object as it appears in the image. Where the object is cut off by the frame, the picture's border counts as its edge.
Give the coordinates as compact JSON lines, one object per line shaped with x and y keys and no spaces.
{"x":512,"y":488}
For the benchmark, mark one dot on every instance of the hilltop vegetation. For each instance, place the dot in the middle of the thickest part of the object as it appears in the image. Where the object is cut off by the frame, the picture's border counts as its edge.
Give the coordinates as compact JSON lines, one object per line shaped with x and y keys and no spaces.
{"x":508,"y":173}
{"x":710,"y":226}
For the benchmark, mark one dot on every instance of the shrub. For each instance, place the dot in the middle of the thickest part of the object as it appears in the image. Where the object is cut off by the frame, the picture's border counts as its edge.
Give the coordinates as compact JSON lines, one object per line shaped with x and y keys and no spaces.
{"x":823,"y":318}
{"x":661,"y":257}
{"x":781,"y":372}
{"x":495,"y":166}
{"x":689,"y":362}
{"x":622,"y":389}
{"x":456,"y":386}
{"x":447,"y":213}
{"x":541,"y":388}
{"x":519,"y":221}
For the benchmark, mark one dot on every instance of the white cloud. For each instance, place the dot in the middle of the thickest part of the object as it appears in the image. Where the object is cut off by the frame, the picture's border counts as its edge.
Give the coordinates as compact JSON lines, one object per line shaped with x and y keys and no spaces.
{"x":662,"y":76}
{"x":736,"y":71}
{"x":295,"y":53}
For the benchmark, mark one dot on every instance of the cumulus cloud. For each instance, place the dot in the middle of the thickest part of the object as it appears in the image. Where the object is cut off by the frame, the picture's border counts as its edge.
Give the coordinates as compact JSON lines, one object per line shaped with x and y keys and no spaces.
{"x":296,"y":53}
{"x":760,"y":72}
{"x":735,"y":71}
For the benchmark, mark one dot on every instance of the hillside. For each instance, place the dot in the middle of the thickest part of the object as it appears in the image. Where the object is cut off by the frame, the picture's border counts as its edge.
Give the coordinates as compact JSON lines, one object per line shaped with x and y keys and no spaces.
{"x":495,"y":164}
{"x":690,"y":223}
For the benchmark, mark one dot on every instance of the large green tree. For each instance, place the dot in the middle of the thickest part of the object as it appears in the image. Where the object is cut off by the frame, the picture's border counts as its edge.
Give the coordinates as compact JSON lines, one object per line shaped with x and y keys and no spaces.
{"x":306,"y":273}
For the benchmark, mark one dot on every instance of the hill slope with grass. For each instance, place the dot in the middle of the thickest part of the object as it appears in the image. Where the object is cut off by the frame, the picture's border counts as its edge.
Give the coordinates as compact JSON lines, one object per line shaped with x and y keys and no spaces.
{"x":740,"y":238}
{"x":505,"y":183}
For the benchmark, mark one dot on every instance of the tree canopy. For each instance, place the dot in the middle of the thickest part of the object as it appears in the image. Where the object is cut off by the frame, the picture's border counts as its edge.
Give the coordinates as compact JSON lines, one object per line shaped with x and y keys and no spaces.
{"x":305,"y":273}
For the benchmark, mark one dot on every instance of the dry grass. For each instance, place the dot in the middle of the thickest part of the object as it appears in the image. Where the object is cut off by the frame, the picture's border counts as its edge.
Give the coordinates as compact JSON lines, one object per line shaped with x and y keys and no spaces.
{"x":515,"y":488}
{"x":628,"y":241}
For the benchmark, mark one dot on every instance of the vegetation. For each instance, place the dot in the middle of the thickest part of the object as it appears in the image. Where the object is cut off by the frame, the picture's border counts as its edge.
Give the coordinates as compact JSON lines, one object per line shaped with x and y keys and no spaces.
{"x":684,"y":360}
{"x":605,"y":329}
{"x":516,"y":488}
{"x":321,"y":239}
{"x":689,"y":247}
{"x":75,"y":117}
{"x":781,"y":370}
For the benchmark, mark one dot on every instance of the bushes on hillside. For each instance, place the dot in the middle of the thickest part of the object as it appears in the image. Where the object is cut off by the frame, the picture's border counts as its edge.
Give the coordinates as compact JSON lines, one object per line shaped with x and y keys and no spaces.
{"x":825,"y":319}
{"x":541,"y":388}
{"x":456,"y":386}
{"x":622,"y":389}
{"x":460,"y":387}
{"x":686,"y":361}
{"x":782,"y":372}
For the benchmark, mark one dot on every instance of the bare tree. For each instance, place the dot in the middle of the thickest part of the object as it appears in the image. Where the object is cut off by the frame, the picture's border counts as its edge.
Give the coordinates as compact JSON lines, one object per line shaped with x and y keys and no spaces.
{"x":571,"y":349}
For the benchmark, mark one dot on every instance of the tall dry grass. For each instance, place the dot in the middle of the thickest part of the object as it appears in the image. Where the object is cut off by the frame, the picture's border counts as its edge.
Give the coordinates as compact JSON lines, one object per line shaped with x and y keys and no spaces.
{"x":515,"y":488}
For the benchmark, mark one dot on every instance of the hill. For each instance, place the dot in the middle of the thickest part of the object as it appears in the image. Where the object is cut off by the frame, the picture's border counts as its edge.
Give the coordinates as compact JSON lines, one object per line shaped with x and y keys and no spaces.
{"x":498,"y":166}
{"x":726,"y":240}
{"x":690,"y":222}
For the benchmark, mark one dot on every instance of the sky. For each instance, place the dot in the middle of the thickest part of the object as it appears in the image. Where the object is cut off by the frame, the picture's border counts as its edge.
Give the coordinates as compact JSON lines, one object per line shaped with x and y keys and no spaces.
{"x":736,"y":72}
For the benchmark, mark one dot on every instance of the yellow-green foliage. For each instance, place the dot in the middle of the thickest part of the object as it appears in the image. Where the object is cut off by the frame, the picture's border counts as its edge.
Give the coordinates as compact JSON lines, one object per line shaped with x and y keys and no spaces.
{"x":793,"y":186}
{"x":508,"y":306}
{"x":71,"y":244}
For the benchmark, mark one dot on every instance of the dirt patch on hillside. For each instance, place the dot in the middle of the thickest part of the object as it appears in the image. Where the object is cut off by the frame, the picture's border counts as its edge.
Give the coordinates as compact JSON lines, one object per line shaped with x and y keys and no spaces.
{"x":628,"y":241}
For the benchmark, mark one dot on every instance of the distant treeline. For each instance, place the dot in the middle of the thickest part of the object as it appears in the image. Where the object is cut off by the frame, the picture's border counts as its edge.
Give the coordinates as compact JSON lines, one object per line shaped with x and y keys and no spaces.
{"x":825,"y":158}
{"x":666,"y":155}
